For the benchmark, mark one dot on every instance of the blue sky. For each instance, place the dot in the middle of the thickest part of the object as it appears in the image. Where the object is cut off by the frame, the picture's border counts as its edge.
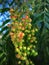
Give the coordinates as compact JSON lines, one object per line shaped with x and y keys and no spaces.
{"x":4,"y":16}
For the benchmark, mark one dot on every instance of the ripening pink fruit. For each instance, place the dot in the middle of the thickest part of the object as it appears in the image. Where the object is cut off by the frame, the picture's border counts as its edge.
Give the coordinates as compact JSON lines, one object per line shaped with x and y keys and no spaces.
{"x":26,"y":17}
{"x":20,"y":35}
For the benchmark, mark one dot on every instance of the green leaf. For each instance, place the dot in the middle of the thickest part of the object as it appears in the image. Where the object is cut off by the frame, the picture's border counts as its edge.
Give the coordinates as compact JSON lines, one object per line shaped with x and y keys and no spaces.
{"x":5,"y":34}
{"x":4,"y":9}
{"x":4,"y":23}
{"x":3,"y":29}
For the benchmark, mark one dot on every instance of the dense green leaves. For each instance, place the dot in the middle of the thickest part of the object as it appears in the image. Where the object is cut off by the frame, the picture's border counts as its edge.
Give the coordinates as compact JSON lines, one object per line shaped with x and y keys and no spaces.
{"x":2,"y":53}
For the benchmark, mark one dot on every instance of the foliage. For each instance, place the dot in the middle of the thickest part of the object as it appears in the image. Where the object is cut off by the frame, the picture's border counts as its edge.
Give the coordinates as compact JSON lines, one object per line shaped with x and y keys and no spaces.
{"x":2,"y":53}
{"x":7,"y":56}
{"x":41,"y":17}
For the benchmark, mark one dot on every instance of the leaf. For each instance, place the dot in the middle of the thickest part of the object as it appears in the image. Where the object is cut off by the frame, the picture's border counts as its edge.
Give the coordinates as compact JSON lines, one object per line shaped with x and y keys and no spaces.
{"x":5,"y":34}
{"x":4,"y":9}
{"x":4,"y":23}
{"x":46,"y":25}
{"x":3,"y":29}
{"x":12,"y":2}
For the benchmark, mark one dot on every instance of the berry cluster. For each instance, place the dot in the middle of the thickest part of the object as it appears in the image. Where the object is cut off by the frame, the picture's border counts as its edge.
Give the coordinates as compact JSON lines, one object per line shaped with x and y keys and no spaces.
{"x":24,"y":39}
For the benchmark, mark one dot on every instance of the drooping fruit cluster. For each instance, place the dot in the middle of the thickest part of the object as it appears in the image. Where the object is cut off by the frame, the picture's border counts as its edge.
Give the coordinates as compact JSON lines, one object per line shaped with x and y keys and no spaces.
{"x":24,"y":39}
